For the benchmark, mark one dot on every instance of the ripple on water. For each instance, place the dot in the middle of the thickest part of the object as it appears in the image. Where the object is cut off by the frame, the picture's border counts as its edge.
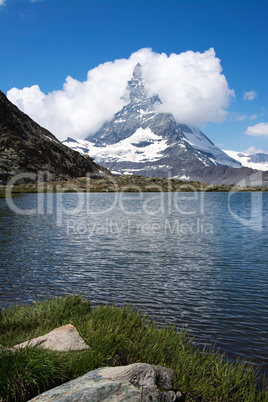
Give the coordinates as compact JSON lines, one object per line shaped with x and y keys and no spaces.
{"x":146,"y":251}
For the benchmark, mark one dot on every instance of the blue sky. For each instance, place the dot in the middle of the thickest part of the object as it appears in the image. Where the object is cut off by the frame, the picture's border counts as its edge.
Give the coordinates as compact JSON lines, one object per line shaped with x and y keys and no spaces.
{"x":43,"y":42}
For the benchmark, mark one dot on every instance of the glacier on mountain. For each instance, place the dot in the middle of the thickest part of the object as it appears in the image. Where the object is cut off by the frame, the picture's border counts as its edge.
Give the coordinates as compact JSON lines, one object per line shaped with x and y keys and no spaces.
{"x":257,"y":161}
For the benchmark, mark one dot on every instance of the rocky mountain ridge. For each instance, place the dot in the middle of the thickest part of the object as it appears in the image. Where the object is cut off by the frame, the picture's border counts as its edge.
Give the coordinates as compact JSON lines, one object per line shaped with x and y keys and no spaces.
{"x":26,"y":147}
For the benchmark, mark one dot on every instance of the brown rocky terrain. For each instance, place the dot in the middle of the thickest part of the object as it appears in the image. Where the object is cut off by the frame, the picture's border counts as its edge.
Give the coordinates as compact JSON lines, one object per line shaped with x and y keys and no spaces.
{"x":26,"y":147}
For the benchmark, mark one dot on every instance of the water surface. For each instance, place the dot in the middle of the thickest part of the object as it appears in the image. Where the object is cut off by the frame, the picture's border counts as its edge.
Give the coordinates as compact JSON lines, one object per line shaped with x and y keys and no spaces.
{"x":195,"y":260}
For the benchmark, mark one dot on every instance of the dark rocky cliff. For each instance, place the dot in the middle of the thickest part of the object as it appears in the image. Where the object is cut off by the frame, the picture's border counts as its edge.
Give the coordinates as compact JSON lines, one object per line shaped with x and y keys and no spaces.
{"x":27,"y":147}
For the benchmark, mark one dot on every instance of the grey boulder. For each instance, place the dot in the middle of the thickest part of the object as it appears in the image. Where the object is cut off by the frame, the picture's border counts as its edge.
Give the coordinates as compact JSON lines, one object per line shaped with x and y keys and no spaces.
{"x":136,"y":382}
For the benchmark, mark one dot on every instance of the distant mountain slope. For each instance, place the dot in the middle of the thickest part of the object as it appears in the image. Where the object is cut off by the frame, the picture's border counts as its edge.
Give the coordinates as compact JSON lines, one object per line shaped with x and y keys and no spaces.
{"x":141,"y":140}
{"x":256,"y":161}
{"x":27,"y":147}
{"x":244,"y":176}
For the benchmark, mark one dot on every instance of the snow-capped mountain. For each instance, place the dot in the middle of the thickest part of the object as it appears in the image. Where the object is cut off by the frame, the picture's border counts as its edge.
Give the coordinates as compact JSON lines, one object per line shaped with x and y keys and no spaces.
{"x":143,"y":141}
{"x":257,"y":161}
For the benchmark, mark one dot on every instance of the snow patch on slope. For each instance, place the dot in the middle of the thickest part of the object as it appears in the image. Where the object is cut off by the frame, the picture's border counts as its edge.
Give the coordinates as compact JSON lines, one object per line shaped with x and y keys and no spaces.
{"x":142,"y":146}
{"x":245,"y":160}
{"x":200,"y":142}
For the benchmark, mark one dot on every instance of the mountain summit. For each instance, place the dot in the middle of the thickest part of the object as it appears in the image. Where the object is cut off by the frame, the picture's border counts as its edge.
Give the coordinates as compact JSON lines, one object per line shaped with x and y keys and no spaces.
{"x":141,"y":140}
{"x":136,"y":86}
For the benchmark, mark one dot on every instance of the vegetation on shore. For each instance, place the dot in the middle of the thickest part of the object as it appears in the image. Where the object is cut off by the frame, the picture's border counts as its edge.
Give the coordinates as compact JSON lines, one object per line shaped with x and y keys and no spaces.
{"x":117,"y":336}
{"x":124,"y":183}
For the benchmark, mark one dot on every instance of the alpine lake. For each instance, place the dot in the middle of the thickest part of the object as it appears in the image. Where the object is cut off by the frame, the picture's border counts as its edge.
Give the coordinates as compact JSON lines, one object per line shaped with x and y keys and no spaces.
{"x":196,"y":260}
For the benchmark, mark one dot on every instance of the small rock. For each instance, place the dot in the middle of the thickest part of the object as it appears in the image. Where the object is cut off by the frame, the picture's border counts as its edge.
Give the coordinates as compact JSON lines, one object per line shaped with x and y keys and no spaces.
{"x":62,"y":339}
{"x":179,"y":396}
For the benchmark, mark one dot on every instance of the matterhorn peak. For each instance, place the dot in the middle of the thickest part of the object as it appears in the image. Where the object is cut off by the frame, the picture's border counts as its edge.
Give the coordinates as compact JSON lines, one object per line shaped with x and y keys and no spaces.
{"x":141,"y":139}
{"x":136,"y":85}
{"x":137,"y":72}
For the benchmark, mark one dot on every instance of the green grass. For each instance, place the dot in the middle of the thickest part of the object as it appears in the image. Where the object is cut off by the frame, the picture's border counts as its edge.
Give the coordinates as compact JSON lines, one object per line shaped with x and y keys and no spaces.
{"x":13,"y":194}
{"x":117,"y":336}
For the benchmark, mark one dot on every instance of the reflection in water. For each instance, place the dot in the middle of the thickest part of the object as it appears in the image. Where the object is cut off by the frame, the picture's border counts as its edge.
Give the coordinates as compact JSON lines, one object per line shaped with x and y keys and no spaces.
{"x":182,"y":258}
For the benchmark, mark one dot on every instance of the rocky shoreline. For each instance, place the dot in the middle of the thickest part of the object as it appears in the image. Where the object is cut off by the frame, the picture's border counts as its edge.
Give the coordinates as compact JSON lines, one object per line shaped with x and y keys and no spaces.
{"x":126,"y":183}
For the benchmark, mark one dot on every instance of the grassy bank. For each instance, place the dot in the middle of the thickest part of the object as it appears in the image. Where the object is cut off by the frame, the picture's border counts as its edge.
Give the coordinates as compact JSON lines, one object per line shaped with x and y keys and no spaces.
{"x":125,"y":183}
{"x":13,"y":194}
{"x":117,"y":336}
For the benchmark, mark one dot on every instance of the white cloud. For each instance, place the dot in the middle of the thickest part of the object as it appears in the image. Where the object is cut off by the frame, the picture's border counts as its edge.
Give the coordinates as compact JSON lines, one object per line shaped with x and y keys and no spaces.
{"x":191,"y":86}
{"x":239,"y":117}
{"x":253,"y":116}
{"x":250,"y":95}
{"x":3,"y":2}
{"x":258,"y":129}
{"x":252,"y":150}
